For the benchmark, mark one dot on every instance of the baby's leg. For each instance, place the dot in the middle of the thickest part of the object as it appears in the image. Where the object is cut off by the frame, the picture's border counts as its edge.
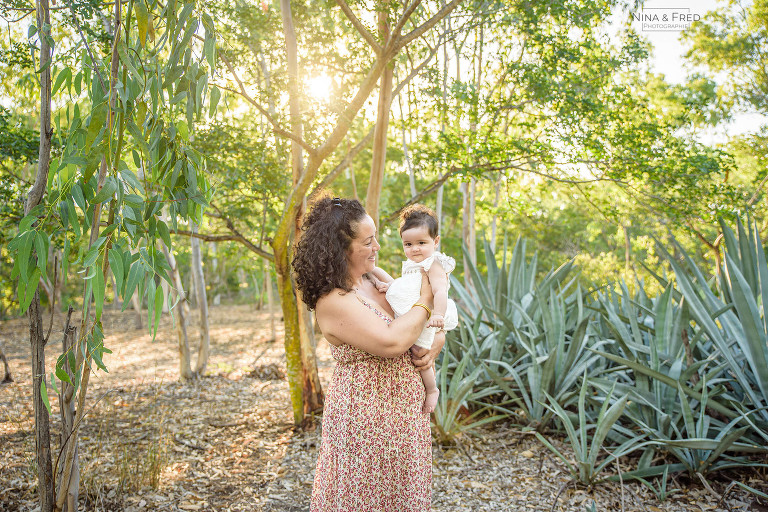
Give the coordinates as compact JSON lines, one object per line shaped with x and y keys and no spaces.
{"x":430,"y":385}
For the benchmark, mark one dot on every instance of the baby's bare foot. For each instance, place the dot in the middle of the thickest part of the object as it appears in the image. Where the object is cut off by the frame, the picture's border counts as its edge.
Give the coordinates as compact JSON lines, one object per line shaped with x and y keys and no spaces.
{"x":430,"y":401}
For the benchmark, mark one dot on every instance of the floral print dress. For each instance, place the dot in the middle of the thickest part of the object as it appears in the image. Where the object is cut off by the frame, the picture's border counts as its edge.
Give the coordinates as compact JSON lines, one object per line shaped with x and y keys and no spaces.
{"x":376,"y":453}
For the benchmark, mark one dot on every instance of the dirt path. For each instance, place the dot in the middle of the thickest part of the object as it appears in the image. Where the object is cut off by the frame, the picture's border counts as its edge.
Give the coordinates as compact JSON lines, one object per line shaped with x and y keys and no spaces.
{"x":226,"y":442}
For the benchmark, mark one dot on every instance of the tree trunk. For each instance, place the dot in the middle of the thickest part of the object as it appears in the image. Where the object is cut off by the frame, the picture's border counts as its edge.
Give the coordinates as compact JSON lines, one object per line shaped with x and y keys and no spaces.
{"x":7,"y":369}
{"x":270,"y":301}
{"x":495,"y":219}
{"x":258,"y":293}
{"x":306,"y":391}
{"x":446,"y":22}
{"x":202,"y":302}
{"x":379,"y":160}
{"x":406,"y":155}
{"x":116,"y":301}
{"x":191,"y":290}
{"x":470,"y":214}
{"x":627,"y":249}
{"x":215,"y":275}
{"x":37,"y":341}
{"x":282,"y":241}
{"x":136,"y":303}
{"x":185,"y":366}
{"x":67,"y":400}
{"x":464,"y":189}
{"x":42,"y":420}
{"x":354,"y":184}
{"x":242,"y":282}
{"x":166,"y":290}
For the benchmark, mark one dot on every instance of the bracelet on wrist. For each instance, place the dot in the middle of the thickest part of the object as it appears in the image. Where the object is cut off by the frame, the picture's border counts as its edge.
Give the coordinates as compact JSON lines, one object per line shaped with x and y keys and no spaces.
{"x":426,"y":308}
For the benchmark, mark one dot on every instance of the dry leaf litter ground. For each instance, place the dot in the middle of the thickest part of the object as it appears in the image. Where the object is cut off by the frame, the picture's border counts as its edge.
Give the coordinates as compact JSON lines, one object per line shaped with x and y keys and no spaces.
{"x":226,"y":442}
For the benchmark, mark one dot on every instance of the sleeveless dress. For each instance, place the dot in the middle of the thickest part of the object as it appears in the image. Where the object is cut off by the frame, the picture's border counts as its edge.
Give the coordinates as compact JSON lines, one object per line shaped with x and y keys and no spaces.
{"x":376,"y":449}
{"x":405,"y":291}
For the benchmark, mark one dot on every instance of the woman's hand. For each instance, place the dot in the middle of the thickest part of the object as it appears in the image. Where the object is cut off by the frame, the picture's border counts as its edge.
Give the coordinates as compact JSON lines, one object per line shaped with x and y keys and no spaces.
{"x":424,"y":359}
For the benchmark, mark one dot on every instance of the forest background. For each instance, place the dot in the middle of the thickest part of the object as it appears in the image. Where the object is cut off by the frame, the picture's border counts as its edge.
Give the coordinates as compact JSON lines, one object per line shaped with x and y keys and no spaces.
{"x":217,"y":121}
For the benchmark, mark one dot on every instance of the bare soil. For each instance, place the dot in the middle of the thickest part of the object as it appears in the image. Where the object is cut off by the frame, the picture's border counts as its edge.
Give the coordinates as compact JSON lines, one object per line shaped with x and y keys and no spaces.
{"x":226,"y":442}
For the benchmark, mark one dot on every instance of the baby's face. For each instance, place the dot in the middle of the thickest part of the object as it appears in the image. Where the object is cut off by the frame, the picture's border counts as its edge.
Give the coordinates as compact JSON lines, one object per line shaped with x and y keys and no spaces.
{"x":417,"y":243}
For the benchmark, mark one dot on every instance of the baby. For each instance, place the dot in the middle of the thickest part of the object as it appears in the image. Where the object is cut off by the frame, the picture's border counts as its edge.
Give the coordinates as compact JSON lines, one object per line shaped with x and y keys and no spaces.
{"x":418,"y":230}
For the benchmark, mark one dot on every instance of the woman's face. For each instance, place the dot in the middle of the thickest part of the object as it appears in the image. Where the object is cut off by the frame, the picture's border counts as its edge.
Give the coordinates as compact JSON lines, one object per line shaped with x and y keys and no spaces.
{"x":361,"y":255}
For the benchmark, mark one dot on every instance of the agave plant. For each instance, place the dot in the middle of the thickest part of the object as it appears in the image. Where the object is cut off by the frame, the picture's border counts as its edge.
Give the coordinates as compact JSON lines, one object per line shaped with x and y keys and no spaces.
{"x":554,"y":356}
{"x":587,"y":441}
{"x":532,"y":334}
{"x":735,"y":323}
{"x":460,"y":407}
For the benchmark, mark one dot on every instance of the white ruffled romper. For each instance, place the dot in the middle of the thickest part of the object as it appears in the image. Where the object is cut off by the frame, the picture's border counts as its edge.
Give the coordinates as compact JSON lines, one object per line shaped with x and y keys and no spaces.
{"x":405,"y":291}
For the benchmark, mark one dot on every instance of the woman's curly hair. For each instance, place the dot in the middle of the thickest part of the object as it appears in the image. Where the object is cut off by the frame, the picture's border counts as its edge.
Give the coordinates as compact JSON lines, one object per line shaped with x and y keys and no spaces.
{"x":417,"y":215}
{"x":320,"y":258}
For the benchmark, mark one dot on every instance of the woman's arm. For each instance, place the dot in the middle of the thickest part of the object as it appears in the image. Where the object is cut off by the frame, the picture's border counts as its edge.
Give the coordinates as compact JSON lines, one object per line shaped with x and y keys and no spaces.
{"x":344,"y":319}
{"x":439,"y":281}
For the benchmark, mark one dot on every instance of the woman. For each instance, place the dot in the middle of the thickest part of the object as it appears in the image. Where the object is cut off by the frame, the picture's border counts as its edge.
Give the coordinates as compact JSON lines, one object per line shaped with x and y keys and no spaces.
{"x":376,"y":448}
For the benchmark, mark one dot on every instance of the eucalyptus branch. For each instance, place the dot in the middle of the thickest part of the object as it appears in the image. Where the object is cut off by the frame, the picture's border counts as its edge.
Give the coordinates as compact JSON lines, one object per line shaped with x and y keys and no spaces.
{"x":87,"y":47}
{"x":424,"y":192}
{"x":53,"y":297}
{"x":275,"y":125}
{"x":424,"y":27}
{"x":404,"y":18}
{"x":364,"y":32}
{"x":754,"y":197}
{"x":226,"y":238}
{"x":331,"y":176}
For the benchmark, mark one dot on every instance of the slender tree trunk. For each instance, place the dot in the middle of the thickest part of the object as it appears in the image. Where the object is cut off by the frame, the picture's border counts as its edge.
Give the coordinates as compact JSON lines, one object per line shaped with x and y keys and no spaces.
{"x":258,"y":293}
{"x":379,"y":160}
{"x":408,"y":163}
{"x":464,"y":189}
{"x":42,"y":420}
{"x":470,"y":214}
{"x":45,"y":487}
{"x":202,"y":302}
{"x":6,"y":369}
{"x":495,"y":218}
{"x":242,"y":282}
{"x":215,"y":274}
{"x":270,"y":301}
{"x":627,"y":249}
{"x":446,"y":22}
{"x":116,"y":301}
{"x":378,"y":163}
{"x":182,"y":322}
{"x":439,"y":209}
{"x":136,"y":303}
{"x":166,"y":291}
{"x":306,"y":391}
{"x":191,"y":290}
{"x":67,"y":400}
{"x":354,"y":184}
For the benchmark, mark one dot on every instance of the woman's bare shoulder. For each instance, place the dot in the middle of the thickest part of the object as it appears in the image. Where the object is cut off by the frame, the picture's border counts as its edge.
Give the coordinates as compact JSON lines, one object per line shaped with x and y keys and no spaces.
{"x":334,"y":300}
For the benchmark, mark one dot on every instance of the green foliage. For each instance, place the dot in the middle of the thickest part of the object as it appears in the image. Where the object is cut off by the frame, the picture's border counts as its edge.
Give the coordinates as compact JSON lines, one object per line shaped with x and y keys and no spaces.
{"x":122,"y":163}
{"x":535,"y":331}
{"x":452,"y":416}
{"x":587,"y":447}
{"x":686,"y":363}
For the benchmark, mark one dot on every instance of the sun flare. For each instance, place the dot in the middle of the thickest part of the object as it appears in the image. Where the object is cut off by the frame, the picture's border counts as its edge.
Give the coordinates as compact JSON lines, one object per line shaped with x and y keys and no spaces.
{"x":319,"y":87}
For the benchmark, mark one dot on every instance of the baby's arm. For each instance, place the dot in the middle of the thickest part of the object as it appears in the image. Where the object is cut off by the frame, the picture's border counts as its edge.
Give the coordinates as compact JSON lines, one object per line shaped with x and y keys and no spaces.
{"x":381,"y":279}
{"x":439,"y":281}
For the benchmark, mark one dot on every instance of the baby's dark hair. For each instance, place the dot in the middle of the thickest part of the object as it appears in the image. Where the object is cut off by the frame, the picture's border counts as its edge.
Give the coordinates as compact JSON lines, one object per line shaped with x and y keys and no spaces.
{"x":417,"y":215}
